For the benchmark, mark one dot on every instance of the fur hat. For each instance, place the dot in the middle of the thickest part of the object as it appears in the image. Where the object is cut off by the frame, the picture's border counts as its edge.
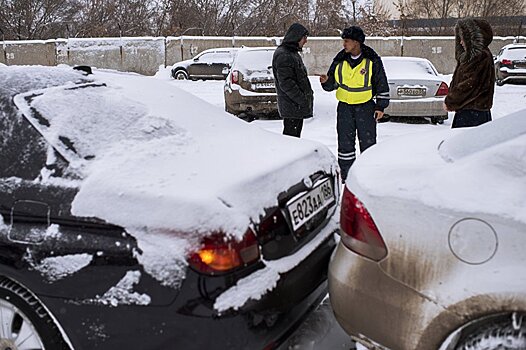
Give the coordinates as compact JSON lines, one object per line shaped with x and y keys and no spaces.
{"x":354,"y":33}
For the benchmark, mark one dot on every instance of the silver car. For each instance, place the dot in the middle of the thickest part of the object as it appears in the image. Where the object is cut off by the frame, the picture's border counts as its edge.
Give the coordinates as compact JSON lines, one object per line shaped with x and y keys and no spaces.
{"x":433,"y":230}
{"x":415,"y":88}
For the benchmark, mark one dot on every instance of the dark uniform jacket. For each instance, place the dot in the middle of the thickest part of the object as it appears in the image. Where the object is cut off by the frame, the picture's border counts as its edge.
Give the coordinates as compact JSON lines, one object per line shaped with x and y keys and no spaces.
{"x":295,"y":96}
{"x":473,"y":82}
{"x":379,"y":80}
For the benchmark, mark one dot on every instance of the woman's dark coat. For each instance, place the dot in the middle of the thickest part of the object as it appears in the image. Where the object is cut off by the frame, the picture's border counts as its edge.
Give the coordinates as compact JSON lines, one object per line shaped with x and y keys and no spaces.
{"x":473,"y":82}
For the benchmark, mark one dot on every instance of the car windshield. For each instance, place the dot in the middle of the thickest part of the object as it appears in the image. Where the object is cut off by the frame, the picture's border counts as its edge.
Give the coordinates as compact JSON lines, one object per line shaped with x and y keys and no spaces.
{"x":84,"y":120}
{"x":517,"y":53}
{"x":255,"y":60}
{"x":407,"y":67}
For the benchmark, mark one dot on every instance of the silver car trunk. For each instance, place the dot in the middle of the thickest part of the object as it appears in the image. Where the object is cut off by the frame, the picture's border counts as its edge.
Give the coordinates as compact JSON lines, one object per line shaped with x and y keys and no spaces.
{"x":403,"y":89}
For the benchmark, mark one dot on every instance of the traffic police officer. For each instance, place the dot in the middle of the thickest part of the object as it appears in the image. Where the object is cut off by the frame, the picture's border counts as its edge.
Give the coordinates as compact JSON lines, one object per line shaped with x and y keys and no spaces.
{"x":357,"y":74}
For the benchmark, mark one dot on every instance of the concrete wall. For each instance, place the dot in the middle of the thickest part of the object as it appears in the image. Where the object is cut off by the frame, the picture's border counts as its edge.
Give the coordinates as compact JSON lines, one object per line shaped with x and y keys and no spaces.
{"x":145,"y":55}
{"x":29,"y":52}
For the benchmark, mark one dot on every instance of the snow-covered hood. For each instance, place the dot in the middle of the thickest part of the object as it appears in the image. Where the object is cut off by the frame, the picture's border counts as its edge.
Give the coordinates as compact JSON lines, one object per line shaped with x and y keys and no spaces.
{"x":153,"y":156}
{"x":480,"y":170}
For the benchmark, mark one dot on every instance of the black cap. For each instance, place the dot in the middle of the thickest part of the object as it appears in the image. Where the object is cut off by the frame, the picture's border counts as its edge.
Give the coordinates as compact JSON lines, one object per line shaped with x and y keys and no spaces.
{"x":354,"y":33}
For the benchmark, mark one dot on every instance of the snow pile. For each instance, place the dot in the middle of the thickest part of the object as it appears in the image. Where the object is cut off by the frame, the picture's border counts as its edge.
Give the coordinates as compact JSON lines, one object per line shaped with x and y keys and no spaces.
{"x":163,"y":255}
{"x":122,"y":293}
{"x":56,"y":268}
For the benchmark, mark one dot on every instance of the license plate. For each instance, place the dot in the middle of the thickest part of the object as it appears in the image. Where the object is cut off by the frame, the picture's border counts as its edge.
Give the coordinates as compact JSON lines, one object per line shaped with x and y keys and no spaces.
{"x":264,"y":86}
{"x":308,"y":205}
{"x":411,"y":92}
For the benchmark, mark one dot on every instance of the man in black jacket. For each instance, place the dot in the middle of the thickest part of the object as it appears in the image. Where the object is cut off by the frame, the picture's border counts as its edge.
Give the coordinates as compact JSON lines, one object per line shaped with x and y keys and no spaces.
{"x":357,"y":74}
{"x":295,"y":96}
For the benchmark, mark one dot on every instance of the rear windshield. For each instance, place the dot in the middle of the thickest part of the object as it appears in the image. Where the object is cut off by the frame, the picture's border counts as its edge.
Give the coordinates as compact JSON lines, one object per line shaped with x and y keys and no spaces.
{"x":256,"y":60}
{"x":84,"y":120}
{"x":518,"y":53}
{"x":405,"y":67}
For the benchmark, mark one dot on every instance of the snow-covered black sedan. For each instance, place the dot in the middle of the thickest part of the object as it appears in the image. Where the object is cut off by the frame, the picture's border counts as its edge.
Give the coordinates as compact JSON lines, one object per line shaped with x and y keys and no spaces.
{"x":136,"y":216}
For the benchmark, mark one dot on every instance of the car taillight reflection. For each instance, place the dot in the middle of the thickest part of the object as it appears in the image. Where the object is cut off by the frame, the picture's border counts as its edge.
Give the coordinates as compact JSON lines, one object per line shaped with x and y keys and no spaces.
{"x":235,"y":77}
{"x":443,"y":90}
{"x":220,"y":254}
{"x":358,"y":230}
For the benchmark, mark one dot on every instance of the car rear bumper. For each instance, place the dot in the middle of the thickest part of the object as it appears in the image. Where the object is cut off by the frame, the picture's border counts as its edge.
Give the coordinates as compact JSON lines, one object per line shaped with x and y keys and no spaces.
{"x":374,"y":307}
{"x":191,"y":321}
{"x":252,"y":103}
{"x":425,"y":107}
{"x":510,"y":74}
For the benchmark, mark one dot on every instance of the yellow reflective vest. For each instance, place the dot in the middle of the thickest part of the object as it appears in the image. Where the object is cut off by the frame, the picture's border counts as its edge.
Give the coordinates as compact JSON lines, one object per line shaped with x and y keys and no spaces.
{"x":354,"y":84}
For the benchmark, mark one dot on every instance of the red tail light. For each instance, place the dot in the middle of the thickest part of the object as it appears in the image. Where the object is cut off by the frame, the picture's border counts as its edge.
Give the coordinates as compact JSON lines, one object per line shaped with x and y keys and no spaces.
{"x":442,"y":90}
{"x":358,"y":230}
{"x":220,"y":254}
{"x":235,"y":77}
{"x":506,"y":62}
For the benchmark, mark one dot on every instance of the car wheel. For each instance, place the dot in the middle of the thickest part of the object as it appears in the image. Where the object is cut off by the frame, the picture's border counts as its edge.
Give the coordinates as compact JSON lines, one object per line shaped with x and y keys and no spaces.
{"x":499,"y":82}
{"x":180,"y":74}
{"x":25,"y":322}
{"x":495,"y":336}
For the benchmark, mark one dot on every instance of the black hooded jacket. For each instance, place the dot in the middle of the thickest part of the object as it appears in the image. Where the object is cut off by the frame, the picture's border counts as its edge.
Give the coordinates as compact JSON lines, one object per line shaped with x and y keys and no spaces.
{"x":473,"y":82}
{"x":295,"y":96}
{"x":378,"y":80}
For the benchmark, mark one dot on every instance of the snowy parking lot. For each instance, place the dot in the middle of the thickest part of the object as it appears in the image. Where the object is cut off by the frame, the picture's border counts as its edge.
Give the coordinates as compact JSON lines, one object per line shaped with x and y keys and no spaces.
{"x":322,"y":128}
{"x":320,"y":330}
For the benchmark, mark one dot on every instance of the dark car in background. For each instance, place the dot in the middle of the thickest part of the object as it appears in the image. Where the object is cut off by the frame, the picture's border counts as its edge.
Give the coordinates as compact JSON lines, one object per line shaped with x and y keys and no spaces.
{"x":82,"y":281}
{"x":209,"y":64}
{"x":510,"y":64}
{"x":249,"y":88}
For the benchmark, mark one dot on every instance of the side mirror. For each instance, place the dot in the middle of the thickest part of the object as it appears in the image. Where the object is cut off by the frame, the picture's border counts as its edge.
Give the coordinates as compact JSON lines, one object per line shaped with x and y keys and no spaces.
{"x":196,"y":59}
{"x":225,"y":70}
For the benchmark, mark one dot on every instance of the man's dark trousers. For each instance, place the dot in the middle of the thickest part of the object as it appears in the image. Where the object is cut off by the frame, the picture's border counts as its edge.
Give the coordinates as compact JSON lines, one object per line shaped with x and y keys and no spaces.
{"x":351,"y":119}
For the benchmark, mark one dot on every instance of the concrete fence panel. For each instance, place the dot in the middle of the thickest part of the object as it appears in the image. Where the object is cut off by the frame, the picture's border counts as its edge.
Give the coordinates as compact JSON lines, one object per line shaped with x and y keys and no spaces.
{"x":499,"y":42}
{"x":2,"y":55}
{"x":440,"y":51}
{"x":34,"y":52}
{"x":385,"y":46}
{"x":143,"y":55}
{"x":254,"y":41}
{"x":319,"y":52}
{"x":180,"y":49}
{"x":100,"y":53}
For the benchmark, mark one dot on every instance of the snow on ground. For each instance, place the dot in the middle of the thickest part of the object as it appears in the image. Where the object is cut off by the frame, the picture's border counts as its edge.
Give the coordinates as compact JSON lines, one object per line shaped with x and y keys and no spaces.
{"x":322,"y":128}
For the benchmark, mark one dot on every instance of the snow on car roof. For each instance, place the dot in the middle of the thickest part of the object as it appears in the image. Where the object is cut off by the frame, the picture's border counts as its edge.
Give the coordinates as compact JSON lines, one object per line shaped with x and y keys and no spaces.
{"x":409,"y":68}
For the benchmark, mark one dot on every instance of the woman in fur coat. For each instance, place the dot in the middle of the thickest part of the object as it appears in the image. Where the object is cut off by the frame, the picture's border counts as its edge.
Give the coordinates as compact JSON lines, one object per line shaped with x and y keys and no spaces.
{"x":471,"y":90}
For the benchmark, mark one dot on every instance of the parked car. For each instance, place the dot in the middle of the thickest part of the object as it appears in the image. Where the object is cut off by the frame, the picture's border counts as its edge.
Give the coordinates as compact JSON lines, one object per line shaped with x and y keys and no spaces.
{"x":249,"y":87}
{"x":415,"y":88}
{"x":510,"y":64}
{"x":135,"y":216}
{"x":209,"y":64}
{"x":431,"y":253}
